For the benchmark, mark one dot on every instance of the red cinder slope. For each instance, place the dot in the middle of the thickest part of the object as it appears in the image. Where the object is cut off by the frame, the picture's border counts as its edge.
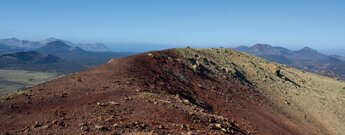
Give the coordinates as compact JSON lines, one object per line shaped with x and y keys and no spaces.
{"x":148,"y":93}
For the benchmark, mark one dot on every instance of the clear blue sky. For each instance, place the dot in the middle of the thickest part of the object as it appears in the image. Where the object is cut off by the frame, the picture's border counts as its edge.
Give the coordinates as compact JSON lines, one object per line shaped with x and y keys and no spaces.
{"x":288,"y":23}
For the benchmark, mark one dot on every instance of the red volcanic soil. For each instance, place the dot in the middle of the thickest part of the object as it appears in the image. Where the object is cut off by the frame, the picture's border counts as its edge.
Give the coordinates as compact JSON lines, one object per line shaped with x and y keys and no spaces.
{"x":151,"y":93}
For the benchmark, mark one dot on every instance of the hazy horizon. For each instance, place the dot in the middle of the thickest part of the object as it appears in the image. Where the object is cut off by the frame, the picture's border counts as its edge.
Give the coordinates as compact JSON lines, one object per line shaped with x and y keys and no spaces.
{"x":144,"y":47}
{"x":153,"y":24}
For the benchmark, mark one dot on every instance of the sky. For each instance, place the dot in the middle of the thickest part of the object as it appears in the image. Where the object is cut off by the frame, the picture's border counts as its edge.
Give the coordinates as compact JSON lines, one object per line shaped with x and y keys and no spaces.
{"x":158,"y":24}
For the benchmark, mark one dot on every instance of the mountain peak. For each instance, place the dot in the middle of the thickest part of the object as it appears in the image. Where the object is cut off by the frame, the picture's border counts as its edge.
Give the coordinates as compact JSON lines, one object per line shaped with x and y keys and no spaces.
{"x":307,"y":49}
{"x":58,"y":43}
{"x":309,"y":53}
{"x":52,"y":39}
{"x":60,"y":49}
{"x":261,"y":46}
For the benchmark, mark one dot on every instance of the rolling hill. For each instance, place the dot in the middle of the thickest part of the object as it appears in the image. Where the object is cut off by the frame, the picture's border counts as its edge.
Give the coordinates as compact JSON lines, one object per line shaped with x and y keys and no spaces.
{"x":180,"y":91}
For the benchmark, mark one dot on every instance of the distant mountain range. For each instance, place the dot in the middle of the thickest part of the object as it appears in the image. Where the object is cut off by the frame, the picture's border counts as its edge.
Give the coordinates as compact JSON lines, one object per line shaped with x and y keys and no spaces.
{"x":14,"y":44}
{"x":96,"y":47}
{"x":52,"y":55}
{"x":306,"y":59}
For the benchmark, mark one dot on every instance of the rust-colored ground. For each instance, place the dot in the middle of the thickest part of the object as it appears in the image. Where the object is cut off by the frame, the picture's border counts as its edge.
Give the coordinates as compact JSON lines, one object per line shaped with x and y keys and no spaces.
{"x":151,"y":93}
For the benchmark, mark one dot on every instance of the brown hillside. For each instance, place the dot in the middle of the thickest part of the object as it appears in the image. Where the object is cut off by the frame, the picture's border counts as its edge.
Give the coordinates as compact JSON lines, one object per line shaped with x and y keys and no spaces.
{"x":165,"y":92}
